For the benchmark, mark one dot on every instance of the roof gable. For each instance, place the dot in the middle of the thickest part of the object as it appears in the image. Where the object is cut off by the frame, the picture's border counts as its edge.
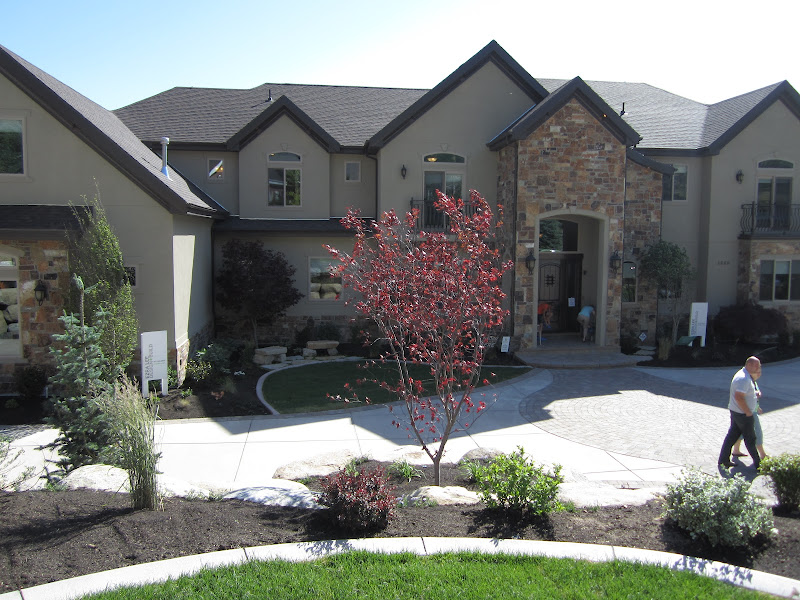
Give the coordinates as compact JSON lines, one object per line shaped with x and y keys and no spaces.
{"x":523,"y":126}
{"x":102,"y":131}
{"x":279,"y":108}
{"x":493,"y":53}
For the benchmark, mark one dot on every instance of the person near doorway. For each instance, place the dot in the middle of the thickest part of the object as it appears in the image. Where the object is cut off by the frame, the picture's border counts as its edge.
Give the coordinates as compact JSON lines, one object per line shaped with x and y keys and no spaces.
{"x":742,"y":403}
{"x":586,"y":320}
{"x":544,"y":314}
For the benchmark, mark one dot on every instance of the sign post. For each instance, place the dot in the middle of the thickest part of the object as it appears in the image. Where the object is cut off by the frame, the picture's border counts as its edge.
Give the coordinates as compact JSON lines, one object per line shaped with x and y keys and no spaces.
{"x":154,"y":360}
{"x":699,"y":320}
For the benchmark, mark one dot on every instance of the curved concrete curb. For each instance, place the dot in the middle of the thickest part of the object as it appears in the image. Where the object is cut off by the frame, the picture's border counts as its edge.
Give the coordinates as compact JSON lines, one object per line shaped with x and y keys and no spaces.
{"x":164,"y":570}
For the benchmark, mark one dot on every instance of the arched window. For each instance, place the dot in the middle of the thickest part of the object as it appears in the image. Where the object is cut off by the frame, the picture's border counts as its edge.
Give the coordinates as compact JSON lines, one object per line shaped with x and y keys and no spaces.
{"x":9,"y":305}
{"x":629,"y":281}
{"x":774,"y":194}
{"x":443,"y":171}
{"x":283,"y":179}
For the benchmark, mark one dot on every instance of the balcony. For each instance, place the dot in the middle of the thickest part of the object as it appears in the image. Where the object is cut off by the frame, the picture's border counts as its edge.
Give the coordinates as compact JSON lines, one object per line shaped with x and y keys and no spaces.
{"x":774,"y":220}
{"x":433,"y":220}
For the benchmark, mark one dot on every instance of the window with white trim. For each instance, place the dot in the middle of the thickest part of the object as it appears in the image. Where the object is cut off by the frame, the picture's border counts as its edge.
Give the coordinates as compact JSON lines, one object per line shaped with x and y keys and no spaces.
{"x":774,"y":194}
{"x":216,"y":169}
{"x":352,"y":171}
{"x":283,"y":179}
{"x":779,"y":280}
{"x":12,"y":146}
{"x":9,"y":306}
{"x":674,"y":186}
{"x":322,"y":283}
{"x":629,"y":281}
{"x":445,"y":172}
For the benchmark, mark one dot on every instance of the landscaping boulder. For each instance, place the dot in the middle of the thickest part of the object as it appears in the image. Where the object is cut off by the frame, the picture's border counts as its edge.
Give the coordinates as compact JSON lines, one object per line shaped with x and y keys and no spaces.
{"x":317,"y":466}
{"x":441,"y":495}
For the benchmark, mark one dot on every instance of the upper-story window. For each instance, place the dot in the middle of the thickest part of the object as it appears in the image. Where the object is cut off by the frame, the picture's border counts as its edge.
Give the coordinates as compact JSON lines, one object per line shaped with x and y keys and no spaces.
{"x":629,"y":281}
{"x":283,"y":179}
{"x":352,"y":171}
{"x":12,"y":145}
{"x":216,"y":169}
{"x":445,"y":172}
{"x":674,"y":186}
{"x":774,"y":193}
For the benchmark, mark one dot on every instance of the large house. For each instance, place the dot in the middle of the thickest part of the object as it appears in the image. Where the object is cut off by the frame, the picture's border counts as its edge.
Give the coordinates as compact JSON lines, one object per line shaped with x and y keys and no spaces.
{"x":612,"y":167}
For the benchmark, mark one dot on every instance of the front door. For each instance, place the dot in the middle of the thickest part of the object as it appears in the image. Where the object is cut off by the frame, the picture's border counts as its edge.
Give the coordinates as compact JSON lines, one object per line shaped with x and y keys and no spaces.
{"x":560,"y":280}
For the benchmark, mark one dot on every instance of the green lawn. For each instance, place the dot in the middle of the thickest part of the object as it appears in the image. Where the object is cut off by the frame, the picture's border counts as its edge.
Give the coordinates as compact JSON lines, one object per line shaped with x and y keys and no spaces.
{"x":304,"y":389}
{"x":466,"y":576}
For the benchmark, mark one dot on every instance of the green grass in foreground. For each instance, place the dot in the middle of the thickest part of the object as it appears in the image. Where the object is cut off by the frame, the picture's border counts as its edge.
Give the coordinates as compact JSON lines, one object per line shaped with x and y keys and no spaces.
{"x":303,"y":389}
{"x":466,"y":576}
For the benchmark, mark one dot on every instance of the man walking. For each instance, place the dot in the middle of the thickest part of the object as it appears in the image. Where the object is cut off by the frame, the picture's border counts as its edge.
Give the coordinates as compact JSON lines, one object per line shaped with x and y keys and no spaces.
{"x":742,"y":404}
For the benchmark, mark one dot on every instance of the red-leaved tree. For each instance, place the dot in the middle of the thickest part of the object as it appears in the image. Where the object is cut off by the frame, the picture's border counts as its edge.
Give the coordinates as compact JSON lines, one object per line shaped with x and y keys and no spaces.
{"x":436,"y":298}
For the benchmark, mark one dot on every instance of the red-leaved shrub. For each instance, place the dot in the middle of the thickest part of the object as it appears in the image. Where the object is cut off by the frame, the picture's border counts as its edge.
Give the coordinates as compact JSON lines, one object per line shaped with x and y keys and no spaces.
{"x":359,"y":502}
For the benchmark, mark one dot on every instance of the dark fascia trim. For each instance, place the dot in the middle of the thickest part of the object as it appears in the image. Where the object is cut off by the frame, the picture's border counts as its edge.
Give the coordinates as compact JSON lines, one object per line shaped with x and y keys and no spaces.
{"x":783,"y":92}
{"x":155,"y":146}
{"x":88,"y":132}
{"x":580,"y":90}
{"x":493,"y":53}
{"x":332,"y":226}
{"x":644,"y":161}
{"x":683,"y":152}
{"x":282,"y":106}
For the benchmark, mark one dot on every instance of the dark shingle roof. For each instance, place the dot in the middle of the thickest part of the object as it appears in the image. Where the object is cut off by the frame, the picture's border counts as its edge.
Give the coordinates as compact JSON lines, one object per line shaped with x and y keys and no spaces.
{"x":350,"y":115}
{"x":106,"y":134}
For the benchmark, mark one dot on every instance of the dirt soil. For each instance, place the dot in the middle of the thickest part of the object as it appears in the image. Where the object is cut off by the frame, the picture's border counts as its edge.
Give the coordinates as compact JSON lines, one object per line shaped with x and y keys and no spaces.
{"x":50,"y":535}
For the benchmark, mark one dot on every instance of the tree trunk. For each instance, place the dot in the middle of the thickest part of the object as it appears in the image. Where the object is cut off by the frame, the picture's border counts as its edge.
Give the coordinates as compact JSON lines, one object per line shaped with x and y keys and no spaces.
{"x":437,"y":459}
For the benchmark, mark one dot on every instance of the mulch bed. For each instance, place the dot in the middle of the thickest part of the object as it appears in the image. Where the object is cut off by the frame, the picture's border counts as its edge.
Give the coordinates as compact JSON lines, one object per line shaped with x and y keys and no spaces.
{"x":48,"y":536}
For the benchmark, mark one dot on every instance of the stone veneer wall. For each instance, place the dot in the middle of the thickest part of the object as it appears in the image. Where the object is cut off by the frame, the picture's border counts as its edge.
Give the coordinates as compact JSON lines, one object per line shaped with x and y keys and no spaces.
{"x":642,"y":228}
{"x":751,"y":252}
{"x":45,"y":260}
{"x":570,"y":162}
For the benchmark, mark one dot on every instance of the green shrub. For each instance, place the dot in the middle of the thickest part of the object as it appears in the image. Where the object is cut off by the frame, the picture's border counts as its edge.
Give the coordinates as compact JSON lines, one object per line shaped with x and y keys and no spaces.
{"x":30,"y":382}
{"x":327,"y":330}
{"x":784,"y":471}
{"x":720,"y":511}
{"x":515,"y":482}
{"x":358,"y":502}
{"x":402,"y":469}
{"x":748,"y":322}
{"x":199,"y":372}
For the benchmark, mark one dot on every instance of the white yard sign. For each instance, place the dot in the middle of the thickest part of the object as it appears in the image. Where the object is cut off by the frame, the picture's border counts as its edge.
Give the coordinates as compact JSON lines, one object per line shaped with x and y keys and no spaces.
{"x":154,"y":359}
{"x":697,"y":324}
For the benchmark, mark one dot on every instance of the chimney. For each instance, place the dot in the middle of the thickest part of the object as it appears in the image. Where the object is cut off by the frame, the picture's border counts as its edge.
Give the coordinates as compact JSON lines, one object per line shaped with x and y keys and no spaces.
{"x":164,"y":169}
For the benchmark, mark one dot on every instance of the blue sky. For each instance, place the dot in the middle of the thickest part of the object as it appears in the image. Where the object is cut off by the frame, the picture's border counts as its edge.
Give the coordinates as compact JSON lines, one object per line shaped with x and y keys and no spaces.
{"x":117,"y":52}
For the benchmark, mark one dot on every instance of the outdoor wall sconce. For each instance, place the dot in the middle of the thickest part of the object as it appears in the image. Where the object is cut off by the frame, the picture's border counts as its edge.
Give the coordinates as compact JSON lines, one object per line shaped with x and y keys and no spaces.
{"x":739,"y":176}
{"x":40,"y":292}
{"x":530,"y":261}
{"x":615,"y":261}
{"x":403,"y":171}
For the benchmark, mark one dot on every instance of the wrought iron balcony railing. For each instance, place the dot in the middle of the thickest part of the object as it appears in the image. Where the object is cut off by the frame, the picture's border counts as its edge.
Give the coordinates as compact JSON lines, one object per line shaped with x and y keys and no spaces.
{"x":770,"y":220}
{"x":433,"y":220}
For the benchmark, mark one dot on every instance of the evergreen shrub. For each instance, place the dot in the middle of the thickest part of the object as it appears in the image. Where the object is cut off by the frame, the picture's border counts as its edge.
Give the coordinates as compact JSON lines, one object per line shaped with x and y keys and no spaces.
{"x":784,"y":472}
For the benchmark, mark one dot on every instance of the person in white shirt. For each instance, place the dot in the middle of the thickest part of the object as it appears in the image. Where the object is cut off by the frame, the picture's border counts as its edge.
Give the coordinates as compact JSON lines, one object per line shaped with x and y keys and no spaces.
{"x":742,"y":404}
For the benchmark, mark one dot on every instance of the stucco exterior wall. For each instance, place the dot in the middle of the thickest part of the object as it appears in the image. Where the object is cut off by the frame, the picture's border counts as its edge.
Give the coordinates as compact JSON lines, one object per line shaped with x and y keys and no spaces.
{"x":570,"y":165}
{"x":284,"y":136}
{"x":461,"y":123}
{"x":193,"y":165}
{"x":346,"y":194}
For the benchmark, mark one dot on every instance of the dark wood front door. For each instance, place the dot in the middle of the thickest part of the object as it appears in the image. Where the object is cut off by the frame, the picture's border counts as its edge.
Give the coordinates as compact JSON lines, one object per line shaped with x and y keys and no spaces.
{"x":560,"y":280}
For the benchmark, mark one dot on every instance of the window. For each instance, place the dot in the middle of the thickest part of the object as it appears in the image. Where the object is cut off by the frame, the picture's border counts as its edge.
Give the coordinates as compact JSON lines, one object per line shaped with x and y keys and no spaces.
{"x":352,"y":171}
{"x":216,"y":169}
{"x":132,"y":273}
{"x":9,"y":306}
{"x":444,"y":172}
{"x":780,"y":280}
{"x":322,"y":284}
{"x":283,"y":179}
{"x":12,"y":160}
{"x":674,"y":186}
{"x":774,"y":194}
{"x":628,"y":282}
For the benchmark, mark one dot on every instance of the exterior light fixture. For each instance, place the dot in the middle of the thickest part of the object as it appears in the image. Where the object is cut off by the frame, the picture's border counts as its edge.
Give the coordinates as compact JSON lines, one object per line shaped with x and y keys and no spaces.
{"x":40,"y":292}
{"x":530,"y":261}
{"x":403,"y":171}
{"x":739,"y":176}
{"x":615,"y":261}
